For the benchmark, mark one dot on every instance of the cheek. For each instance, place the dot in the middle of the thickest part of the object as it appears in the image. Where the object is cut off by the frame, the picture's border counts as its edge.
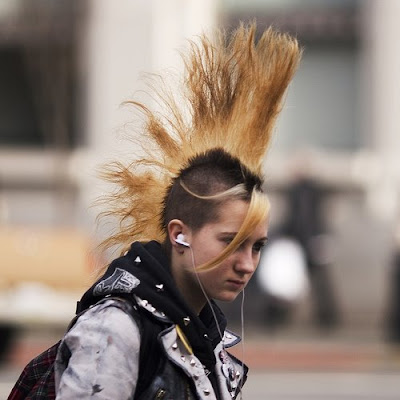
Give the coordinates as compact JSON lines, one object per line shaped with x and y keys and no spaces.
{"x":216,"y":274}
{"x":209,"y":281}
{"x":203,"y":256}
{"x":207,"y":251}
{"x":224,"y":268}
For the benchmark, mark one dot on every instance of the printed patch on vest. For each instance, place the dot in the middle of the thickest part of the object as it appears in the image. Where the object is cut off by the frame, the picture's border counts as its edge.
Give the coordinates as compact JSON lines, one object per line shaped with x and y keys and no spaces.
{"x":120,"y":281}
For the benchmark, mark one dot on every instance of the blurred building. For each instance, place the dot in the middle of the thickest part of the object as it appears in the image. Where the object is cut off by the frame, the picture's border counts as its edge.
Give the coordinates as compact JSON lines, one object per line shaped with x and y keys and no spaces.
{"x":66,"y":67}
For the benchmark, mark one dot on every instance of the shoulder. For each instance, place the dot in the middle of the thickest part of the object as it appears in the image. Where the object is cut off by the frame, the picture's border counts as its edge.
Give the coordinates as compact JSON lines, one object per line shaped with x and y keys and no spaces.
{"x":101,"y":350}
{"x":108,"y":319}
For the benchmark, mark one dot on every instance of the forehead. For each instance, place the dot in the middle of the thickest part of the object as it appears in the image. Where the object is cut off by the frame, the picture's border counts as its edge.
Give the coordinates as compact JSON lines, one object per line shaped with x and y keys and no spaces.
{"x":231,"y":214}
{"x":232,"y":209}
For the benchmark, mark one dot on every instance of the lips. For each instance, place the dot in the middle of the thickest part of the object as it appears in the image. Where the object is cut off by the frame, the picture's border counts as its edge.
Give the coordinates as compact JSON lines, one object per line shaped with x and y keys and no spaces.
{"x":236,"y":283}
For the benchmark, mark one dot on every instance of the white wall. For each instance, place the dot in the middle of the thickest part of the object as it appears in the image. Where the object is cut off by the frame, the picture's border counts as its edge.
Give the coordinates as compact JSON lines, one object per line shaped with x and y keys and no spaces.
{"x":124,"y":41}
{"x":381,"y":63}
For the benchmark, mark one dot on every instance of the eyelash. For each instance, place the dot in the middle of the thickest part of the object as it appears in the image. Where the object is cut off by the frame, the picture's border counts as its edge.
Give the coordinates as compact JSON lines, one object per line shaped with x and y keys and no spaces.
{"x":227,"y":240}
{"x":258,"y":247}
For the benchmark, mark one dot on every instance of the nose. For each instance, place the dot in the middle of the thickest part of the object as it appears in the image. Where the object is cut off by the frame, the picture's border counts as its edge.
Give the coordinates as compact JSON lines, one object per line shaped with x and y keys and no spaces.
{"x":245,"y":262}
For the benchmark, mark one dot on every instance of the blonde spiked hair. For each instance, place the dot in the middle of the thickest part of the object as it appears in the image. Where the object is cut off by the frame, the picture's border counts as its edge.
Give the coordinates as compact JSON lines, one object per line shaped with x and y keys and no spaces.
{"x":232,"y":93}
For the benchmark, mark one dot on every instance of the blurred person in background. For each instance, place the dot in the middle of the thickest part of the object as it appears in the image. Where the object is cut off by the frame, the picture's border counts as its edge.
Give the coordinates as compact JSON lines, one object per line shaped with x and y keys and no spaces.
{"x":299,"y":255}
{"x":197,"y":215}
{"x":304,"y":223}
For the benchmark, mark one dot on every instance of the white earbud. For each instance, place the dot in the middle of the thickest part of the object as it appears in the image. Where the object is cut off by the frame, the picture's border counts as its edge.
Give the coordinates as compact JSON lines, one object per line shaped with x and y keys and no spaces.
{"x":180,"y":239}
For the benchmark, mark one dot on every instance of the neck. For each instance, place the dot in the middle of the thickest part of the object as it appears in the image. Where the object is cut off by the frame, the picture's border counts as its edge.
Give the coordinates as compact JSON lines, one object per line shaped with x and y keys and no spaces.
{"x":195,"y":300}
{"x":188,"y":287}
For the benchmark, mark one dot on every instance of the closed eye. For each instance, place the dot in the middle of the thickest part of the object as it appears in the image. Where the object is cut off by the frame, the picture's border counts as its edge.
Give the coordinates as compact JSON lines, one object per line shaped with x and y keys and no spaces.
{"x":258,"y":246}
{"x":227,"y":239}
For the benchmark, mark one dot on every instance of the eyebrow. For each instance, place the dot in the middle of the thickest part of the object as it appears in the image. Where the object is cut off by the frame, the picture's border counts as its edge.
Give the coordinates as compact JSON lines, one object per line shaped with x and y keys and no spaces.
{"x":264,"y":238}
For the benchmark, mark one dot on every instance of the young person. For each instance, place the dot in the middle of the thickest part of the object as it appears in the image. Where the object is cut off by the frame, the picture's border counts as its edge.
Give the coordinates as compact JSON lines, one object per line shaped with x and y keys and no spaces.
{"x":193,"y":220}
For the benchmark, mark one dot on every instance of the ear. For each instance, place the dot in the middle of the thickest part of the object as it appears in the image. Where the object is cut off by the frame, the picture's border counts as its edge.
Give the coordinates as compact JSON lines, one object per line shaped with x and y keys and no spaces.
{"x":176,"y":227}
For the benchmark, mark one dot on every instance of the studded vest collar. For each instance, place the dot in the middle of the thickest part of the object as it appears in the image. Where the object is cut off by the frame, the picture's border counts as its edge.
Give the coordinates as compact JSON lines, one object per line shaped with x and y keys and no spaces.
{"x":144,"y":271}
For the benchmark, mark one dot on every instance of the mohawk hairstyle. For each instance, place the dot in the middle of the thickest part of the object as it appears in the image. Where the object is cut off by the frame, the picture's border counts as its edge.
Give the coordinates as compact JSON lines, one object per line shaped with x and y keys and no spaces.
{"x":232,"y":93}
{"x":208,"y":175}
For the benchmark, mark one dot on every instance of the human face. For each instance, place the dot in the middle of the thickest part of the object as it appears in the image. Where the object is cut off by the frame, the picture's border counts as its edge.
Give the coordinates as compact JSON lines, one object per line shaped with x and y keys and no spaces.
{"x":225,"y":281}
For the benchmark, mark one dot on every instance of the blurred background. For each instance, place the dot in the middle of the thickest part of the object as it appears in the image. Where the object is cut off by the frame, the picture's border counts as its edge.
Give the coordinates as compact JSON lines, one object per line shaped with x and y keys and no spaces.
{"x":322,"y":314}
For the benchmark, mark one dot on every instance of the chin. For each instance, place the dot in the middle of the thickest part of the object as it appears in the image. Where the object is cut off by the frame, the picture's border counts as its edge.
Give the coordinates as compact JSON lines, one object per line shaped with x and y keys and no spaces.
{"x":227,"y":297}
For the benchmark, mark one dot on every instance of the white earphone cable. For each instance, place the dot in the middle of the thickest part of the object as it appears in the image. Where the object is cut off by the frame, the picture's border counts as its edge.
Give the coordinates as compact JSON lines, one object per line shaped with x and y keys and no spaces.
{"x":216,"y":320}
{"x":206,"y":297}
{"x":242,"y":333}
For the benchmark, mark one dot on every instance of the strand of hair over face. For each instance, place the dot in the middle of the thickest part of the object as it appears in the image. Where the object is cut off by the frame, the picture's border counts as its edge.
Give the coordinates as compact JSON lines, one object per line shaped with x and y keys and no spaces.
{"x":231,"y":95}
{"x":257,"y":214}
